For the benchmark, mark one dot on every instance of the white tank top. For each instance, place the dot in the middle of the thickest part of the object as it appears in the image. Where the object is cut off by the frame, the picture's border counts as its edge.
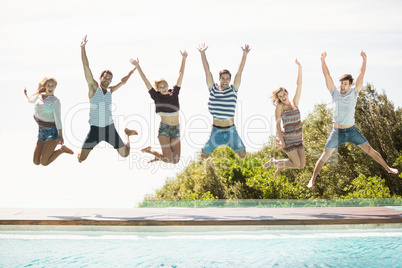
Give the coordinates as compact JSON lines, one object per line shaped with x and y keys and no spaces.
{"x":100,"y":114}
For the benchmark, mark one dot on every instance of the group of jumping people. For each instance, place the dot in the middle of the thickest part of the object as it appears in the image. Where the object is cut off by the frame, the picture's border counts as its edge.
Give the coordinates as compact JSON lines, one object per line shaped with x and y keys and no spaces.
{"x":222,"y":106}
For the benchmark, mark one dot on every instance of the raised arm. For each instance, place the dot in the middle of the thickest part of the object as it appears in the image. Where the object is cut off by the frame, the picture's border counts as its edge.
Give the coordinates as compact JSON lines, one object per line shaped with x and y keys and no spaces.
{"x":359,"y":80}
{"x":210,"y":80}
{"x":237,"y":80}
{"x":182,"y":67}
{"x":122,"y":81}
{"x":136,"y":63}
{"x":328,"y":79}
{"x":296,"y":98}
{"x":92,"y":84}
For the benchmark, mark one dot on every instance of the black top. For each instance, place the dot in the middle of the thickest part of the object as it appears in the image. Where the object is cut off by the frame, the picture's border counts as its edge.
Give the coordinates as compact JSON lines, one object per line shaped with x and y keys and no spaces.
{"x":168,"y":103}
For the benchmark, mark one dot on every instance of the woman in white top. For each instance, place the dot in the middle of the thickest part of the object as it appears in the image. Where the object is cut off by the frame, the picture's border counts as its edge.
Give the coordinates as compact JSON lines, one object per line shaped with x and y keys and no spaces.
{"x":48,"y":117}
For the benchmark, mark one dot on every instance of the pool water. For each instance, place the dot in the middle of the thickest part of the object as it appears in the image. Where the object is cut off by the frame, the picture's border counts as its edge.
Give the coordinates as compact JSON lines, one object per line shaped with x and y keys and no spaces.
{"x":355,"y":248}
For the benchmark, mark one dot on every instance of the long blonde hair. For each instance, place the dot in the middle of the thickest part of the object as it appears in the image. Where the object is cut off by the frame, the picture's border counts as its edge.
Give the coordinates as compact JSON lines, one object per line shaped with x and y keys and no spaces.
{"x":42,"y":84}
{"x":274,"y":95}
{"x":156,"y":82}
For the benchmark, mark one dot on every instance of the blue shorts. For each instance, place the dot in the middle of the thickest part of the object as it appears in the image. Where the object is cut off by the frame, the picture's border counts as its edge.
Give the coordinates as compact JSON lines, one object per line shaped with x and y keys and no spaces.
{"x":169,"y":131}
{"x":227,"y":136}
{"x":47,"y":133}
{"x":98,"y":134}
{"x":340,"y":136}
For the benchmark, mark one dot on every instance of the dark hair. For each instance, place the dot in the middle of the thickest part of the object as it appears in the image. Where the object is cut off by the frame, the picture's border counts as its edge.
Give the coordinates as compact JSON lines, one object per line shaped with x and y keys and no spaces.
{"x":106,"y":72}
{"x":225,"y":71}
{"x":347,"y":77}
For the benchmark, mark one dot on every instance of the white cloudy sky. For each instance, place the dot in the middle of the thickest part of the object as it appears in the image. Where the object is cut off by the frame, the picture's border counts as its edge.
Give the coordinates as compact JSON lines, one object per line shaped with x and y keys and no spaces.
{"x":42,"y":38}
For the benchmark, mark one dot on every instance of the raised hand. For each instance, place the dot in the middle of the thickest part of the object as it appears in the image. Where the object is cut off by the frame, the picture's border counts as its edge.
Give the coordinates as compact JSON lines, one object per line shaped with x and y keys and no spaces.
{"x":84,"y":41}
{"x":363,"y":54}
{"x":202,"y":48}
{"x":298,"y":63}
{"x":323,"y":55}
{"x":25,"y":92}
{"x":184,"y":53}
{"x":246,"y":48}
{"x":134,"y":62}
{"x":60,"y":140}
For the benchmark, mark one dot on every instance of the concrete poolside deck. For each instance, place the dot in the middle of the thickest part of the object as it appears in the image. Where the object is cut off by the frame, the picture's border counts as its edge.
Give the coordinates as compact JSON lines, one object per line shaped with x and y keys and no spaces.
{"x":312,"y":217}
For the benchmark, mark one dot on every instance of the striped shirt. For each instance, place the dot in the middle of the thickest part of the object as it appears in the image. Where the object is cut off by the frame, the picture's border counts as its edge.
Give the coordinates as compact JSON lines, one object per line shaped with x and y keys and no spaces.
{"x":48,"y":109}
{"x":100,"y":114}
{"x":222,"y":103}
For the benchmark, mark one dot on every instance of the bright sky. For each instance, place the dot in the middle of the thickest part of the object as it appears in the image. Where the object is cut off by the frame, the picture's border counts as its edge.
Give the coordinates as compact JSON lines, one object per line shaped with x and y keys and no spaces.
{"x":42,"y":38}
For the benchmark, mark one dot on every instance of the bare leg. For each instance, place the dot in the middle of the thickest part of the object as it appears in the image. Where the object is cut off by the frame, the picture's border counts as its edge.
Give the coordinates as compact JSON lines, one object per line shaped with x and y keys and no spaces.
{"x":171,"y":149}
{"x":38,"y":152}
{"x":49,"y":154}
{"x":158,"y":155}
{"x":242,"y":154}
{"x":297,"y":160}
{"x":318,"y":166}
{"x":175,"y":145}
{"x":292,"y":162}
{"x":83,"y":154}
{"x":204,"y":155}
{"x":377,"y":157}
{"x":125,"y":151}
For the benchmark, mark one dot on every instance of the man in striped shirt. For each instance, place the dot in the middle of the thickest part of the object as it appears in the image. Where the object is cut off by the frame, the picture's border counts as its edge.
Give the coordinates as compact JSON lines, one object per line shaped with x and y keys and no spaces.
{"x":222,"y":106}
{"x":100,"y":115}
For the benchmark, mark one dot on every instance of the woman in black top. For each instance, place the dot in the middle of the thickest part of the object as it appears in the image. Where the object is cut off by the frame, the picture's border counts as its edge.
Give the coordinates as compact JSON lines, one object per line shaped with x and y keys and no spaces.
{"x":167,"y":106}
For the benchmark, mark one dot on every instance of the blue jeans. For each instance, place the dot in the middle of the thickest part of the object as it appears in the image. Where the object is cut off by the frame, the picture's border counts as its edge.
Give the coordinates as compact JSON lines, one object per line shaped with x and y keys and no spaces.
{"x":47,"y":133}
{"x":169,"y":131}
{"x":228,"y":136}
{"x":340,"y":136}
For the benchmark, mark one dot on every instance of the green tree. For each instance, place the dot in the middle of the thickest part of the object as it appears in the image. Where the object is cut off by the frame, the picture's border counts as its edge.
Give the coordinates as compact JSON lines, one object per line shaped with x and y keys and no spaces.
{"x":349,"y":173}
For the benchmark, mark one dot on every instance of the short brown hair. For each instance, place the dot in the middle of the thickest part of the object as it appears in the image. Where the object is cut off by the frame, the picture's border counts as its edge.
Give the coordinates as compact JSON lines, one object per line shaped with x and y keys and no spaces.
{"x":225,"y":71}
{"x":106,"y":72}
{"x":347,"y":77}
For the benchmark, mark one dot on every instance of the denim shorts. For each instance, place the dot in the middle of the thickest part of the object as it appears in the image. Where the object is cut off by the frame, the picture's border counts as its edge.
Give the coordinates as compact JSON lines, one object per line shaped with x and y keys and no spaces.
{"x":228,"y":136}
{"x":170,"y":131}
{"x":47,"y":133}
{"x":98,"y":134}
{"x":340,"y":136}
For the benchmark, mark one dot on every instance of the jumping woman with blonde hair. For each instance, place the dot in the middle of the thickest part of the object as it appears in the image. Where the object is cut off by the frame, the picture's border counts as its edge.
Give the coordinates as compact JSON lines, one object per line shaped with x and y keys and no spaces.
{"x":290,"y":139}
{"x":48,"y":116}
{"x":167,"y":107}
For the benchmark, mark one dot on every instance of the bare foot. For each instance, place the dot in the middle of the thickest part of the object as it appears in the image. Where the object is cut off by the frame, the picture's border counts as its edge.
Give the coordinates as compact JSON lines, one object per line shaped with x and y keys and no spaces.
{"x":146,"y":150}
{"x":393,"y":171}
{"x":310,"y":184}
{"x":277,"y":172}
{"x":67,"y":150}
{"x":130,"y":132}
{"x":270,"y":163}
{"x":155,"y":159}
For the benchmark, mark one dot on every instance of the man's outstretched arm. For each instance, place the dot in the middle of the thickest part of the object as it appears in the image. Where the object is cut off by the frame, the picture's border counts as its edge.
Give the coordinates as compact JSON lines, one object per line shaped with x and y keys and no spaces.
{"x":92,"y":84}
{"x":210,"y":80}
{"x":359,"y":80}
{"x":328,"y":79}
{"x":237,"y":80}
{"x":122,"y":81}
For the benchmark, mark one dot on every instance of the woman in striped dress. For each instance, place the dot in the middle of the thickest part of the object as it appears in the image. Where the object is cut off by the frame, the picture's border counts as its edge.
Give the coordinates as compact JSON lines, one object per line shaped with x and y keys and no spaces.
{"x":289,"y":138}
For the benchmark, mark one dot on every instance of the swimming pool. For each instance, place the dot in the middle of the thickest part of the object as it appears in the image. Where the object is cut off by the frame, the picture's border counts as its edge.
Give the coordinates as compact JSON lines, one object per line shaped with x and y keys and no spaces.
{"x":351,"y":248}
